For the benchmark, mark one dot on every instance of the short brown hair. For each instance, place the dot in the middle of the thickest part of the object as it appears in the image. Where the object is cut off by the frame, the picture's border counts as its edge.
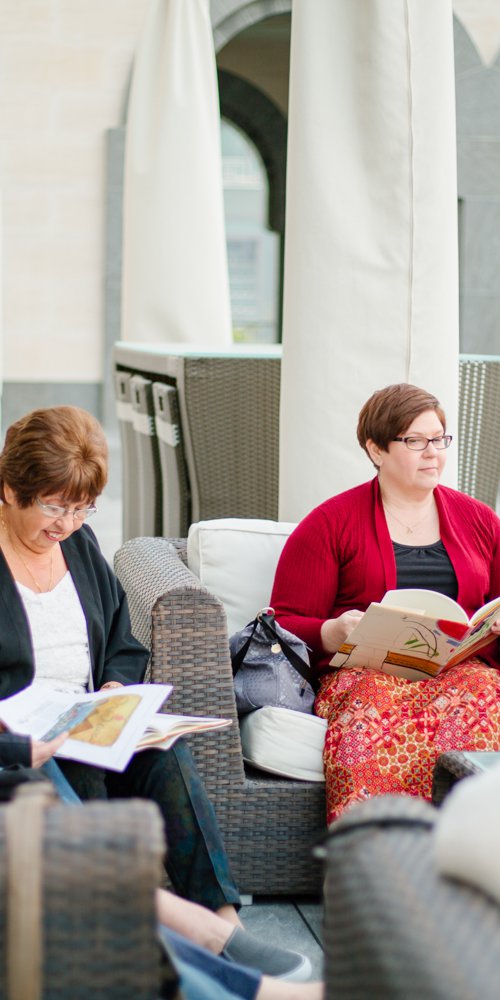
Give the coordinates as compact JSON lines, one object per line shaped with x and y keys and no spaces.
{"x":390,"y":411}
{"x":61,"y":450}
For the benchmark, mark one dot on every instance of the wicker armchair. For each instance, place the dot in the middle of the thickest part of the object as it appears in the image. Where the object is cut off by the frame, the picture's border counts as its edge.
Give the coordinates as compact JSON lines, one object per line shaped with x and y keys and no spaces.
{"x":395,"y":928}
{"x":269,"y":824}
{"x":77,"y":903}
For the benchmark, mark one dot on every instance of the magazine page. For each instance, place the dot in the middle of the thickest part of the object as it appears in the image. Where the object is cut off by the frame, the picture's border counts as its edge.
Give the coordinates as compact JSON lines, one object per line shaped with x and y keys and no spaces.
{"x":104,"y":726}
{"x":165,"y":729}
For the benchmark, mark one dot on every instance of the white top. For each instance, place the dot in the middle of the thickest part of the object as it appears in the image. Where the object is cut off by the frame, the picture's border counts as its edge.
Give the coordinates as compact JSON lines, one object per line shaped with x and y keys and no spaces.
{"x":59,"y":636}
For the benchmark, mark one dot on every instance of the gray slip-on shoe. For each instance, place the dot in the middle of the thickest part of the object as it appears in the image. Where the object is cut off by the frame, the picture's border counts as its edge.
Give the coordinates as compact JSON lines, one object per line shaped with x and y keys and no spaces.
{"x":245,"y":949}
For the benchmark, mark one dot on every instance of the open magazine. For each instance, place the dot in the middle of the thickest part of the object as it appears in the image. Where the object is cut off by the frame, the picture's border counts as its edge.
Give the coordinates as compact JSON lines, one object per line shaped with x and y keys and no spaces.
{"x":415,"y":634}
{"x":105,"y":727}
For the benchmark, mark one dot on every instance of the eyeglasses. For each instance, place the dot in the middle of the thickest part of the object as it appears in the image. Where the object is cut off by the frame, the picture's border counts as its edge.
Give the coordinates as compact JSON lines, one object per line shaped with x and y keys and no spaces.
{"x":416,"y":443}
{"x":53,"y":510}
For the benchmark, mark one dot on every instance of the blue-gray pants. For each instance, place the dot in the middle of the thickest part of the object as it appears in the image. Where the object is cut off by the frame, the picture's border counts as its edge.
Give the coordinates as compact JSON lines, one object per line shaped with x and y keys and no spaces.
{"x":196,"y":861}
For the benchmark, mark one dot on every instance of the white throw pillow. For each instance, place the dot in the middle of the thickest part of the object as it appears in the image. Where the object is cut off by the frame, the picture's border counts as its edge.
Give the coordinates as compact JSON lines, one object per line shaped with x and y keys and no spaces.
{"x":235,"y":559}
{"x":284,"y":742}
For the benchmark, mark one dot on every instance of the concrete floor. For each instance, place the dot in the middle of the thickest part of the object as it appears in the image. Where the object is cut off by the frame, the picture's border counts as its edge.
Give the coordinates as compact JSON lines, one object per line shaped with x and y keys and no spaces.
{"x":290,"y":923}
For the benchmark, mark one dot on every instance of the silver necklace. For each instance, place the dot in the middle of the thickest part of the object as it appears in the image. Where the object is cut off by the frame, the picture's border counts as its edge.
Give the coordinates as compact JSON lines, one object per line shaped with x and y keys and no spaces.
{"x":410,"y":528}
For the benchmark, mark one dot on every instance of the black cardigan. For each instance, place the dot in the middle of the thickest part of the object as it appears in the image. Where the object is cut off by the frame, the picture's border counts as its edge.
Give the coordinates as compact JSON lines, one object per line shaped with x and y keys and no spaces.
{"x":114,"y":653}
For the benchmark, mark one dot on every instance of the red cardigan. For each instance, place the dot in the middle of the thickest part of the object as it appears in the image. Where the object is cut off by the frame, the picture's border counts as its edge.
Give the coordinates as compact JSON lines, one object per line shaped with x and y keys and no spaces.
{"x":341,"y":557}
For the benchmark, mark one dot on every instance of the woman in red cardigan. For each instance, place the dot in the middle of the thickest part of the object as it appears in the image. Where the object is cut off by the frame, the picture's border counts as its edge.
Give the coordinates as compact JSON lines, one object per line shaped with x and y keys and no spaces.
{"x":402,"y":529}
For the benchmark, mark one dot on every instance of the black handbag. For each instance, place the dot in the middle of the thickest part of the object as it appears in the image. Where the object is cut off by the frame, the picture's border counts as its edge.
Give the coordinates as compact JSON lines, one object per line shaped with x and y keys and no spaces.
{"x":270,"y":667}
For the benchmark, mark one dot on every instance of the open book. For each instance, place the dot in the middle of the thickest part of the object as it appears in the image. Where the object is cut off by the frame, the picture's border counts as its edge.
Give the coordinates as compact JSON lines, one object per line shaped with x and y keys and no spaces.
{"x":105,"y":727}
{"x":415,"y":633}
{"x":164,"y":730}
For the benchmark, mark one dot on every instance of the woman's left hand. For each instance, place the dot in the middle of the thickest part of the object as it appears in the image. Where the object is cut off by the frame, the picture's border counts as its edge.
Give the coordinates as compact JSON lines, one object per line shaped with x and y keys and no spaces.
{"x":111,"y":684}
{"x":495,"y":627}
{"x":41,"y":752}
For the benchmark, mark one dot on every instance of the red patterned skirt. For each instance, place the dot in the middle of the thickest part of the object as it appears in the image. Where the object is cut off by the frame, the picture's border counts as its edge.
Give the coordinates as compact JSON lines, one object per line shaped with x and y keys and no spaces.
{"x":384,"y":733}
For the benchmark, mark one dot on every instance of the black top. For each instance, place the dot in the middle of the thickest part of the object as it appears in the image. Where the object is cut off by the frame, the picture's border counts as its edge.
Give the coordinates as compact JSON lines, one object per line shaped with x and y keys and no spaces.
{"x":425,"y":566}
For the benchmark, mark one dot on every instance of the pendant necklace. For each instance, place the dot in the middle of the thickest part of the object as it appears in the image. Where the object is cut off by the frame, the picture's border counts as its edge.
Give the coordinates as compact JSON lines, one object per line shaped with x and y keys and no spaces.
{"x":20,"y":557}
{"x":410,"y":528}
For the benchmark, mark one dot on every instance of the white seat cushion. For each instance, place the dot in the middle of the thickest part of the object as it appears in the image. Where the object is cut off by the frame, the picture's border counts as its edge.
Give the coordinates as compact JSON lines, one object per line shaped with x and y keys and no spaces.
{"x":235,"y":559}
{"x":284,"y":742}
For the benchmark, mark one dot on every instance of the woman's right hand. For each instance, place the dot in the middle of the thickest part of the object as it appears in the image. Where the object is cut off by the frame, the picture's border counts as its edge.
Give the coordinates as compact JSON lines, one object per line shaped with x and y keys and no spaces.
{"x":335,"y":631}
{"x":42,"y":752}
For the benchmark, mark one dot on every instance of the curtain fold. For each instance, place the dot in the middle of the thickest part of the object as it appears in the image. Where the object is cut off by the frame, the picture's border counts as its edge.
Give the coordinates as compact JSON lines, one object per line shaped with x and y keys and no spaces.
{"x":371,"y":252}
{"x":175,"y":279}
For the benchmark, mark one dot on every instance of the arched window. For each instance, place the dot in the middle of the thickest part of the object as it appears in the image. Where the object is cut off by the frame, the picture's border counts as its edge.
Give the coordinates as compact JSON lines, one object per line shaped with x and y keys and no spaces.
{"x":253,"y":250}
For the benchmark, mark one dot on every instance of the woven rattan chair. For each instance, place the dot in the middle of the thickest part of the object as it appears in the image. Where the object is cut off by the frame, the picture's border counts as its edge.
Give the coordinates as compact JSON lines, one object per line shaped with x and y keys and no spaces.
{"x":269,"y":824}
{"x":80,"y":922}
{"x":395,"y":929}
{"x":449,"y":768}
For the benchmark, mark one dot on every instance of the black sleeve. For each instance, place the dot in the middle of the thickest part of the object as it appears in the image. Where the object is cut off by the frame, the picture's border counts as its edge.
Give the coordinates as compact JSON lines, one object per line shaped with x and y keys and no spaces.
{"x":15,"y":749}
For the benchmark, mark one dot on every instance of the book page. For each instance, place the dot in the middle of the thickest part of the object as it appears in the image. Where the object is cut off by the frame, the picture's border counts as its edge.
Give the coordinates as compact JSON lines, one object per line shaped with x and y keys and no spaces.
{"x":425,"y":602}
{"x":165,"y":728}
{"x":104,"y":727}
{"x":386,"y":638}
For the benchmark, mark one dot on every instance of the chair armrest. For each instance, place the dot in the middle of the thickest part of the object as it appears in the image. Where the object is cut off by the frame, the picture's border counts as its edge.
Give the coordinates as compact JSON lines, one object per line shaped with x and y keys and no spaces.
{"x":185,"y":628}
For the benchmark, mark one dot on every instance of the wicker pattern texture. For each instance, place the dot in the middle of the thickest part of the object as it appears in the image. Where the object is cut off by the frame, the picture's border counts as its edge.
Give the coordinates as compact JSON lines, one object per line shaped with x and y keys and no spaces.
{"x":225,"y":461}
{"x":478,"y":421}
{"x":269,"y":824}
{"x":101,"y":863}
{"x":394,"y":928}
{"x":232,"y":409}
{"x":449,"y":768}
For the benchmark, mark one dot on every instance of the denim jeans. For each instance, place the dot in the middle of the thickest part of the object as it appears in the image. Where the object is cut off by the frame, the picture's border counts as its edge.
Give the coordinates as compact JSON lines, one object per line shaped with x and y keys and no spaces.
{"x":204,"y":976}
{"x":196,"y":860}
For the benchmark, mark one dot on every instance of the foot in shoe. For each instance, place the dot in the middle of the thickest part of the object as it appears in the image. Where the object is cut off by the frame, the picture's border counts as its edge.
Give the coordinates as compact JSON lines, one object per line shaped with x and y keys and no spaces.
{"x":245,"y":949}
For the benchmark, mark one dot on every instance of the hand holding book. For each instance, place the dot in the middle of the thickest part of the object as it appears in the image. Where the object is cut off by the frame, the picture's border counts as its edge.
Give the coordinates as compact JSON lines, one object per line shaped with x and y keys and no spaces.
{"x":417,"y":633}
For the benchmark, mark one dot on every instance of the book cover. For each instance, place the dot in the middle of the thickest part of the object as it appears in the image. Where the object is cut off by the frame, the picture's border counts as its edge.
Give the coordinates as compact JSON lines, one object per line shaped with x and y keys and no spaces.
{"x":415,"y":634}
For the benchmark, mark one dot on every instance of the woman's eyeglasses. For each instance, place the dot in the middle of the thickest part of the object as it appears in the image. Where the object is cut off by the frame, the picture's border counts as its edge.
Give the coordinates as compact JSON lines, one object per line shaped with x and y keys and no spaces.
{"x":53,"y":510}
{"x":416,"y":443}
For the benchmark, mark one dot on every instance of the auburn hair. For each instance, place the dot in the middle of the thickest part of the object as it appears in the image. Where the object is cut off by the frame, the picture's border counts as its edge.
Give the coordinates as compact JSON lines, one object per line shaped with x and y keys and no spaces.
{"x":388,"y":413}
{"x":59,"y":451}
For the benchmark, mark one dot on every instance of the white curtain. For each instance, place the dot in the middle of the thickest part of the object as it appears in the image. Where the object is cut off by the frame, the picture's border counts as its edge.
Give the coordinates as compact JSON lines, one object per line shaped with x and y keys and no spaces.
{"x":371,"y":276}
{"x":175,"y":280}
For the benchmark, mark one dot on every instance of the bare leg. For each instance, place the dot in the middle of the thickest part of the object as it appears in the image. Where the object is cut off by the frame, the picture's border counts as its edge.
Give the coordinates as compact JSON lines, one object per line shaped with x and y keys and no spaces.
{"x":210,"y":930}
{"x":229,"y":913}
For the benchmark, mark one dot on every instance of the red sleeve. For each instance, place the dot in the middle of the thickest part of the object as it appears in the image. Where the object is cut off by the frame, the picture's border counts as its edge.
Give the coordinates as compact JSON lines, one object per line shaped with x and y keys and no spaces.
{"x":305,"y":585}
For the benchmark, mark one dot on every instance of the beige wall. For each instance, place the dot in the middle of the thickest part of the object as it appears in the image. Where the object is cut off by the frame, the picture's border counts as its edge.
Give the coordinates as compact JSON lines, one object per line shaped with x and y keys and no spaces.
{"x":64,"y":68}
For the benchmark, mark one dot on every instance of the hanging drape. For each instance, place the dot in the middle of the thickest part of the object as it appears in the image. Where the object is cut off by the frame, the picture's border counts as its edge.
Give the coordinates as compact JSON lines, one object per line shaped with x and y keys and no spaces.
{"x":371,"y":286}
{"x":175,"y":280}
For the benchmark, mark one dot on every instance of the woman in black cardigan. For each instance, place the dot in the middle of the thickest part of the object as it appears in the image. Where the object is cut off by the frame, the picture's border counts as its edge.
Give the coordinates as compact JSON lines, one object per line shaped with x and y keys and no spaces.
{"x":64,"y":624}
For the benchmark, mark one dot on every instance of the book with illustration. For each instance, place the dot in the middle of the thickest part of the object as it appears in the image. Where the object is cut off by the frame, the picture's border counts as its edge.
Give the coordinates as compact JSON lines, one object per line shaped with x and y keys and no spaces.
{"x":104,"y":727}
{"x":415,"y":634}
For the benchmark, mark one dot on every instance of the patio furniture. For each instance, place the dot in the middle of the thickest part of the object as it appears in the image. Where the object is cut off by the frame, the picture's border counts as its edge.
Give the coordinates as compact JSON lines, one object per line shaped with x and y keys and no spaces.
{"x":218,"y":446}
{"x":269,"y":823}
{"x":478,"y":421}
{"x":395,"y":928}
{"x":94,"y":868}
{"x":454,"y":765}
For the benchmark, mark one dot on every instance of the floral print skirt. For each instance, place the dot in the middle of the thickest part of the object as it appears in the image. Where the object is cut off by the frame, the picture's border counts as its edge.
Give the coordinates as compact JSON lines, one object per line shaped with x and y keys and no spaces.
{"x":384,"y":733}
